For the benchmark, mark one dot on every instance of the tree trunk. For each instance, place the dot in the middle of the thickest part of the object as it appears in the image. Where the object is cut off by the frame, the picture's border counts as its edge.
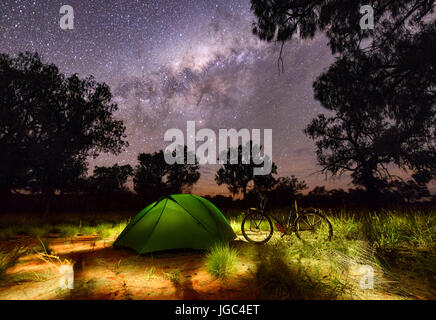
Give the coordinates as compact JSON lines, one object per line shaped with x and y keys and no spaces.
{"x":373,"y":193}
{"x":372,"y":186}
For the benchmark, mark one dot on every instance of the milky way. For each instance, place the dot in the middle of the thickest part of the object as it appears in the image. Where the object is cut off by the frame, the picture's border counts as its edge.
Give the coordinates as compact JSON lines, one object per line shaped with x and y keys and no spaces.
{"x":168,"y":62}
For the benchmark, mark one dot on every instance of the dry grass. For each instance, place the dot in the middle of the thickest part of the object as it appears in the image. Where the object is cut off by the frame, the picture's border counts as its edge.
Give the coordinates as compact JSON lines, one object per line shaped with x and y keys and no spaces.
{"x":400,"y":247}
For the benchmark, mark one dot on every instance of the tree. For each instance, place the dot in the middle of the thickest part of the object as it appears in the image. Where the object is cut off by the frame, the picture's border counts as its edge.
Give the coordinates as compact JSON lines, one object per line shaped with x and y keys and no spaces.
{"x":237,"y":176}
{"x":154,"y":177}
{"x":319,"y":196}
{"x":381,"y":119}
{"x":110,"y":180}
{"x":319,"y":192}
{"x":285,"y":190}
{"x":50,"y":124}
{"x":76,"y":180}
{"x":289,"y":187}
{"x":410,"y":191}
{"x":266,"y":182}
{"x":280,"y":20}
{"x":380,"y":89}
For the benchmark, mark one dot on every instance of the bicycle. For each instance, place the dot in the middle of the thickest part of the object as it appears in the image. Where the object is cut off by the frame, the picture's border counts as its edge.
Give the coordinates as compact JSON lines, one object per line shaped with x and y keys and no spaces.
{"x":309,"y":225}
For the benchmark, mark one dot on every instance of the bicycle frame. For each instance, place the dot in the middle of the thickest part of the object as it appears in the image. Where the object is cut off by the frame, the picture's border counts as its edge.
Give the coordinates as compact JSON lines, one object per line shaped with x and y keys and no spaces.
{"x":293,"y":215}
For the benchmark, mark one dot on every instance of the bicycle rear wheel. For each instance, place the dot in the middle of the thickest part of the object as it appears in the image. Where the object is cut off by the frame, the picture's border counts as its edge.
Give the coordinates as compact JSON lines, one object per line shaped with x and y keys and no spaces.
{"x":257,"y":228}
{"x":313,"y":227}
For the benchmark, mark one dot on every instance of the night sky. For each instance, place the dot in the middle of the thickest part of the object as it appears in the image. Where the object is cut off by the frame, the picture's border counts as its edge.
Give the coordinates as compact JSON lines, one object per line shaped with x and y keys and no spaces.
{"x":172,"y":61}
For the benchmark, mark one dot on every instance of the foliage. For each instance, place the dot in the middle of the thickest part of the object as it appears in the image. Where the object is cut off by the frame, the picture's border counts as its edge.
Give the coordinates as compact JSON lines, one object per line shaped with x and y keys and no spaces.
{"x":281,"y":20}
{"x":399,"y":244}
{"x":50,"y":124}
{"x":238,"y":172}
{"x":377,"y":122}
{"x":110,"y":180}
{"x":154,"y":177}
{"x":282,"y":191}
{"x":410,"y":191}
{"x":380,"y":88}
{"x":221,"y":260}
{"x":9,"y":259}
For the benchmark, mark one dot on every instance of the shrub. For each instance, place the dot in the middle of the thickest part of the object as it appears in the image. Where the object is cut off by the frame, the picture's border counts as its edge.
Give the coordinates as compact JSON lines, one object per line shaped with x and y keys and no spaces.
{"x":67,"y":230}
{"x":221,"y":260}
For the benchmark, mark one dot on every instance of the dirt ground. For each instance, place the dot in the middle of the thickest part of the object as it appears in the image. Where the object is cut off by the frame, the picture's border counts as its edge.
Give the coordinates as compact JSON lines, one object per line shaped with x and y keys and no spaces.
{"x":103,"y":272}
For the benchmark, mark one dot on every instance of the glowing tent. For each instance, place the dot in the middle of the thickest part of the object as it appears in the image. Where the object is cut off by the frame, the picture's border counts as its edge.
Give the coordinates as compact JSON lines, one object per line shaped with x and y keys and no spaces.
{"x":176,"y":221}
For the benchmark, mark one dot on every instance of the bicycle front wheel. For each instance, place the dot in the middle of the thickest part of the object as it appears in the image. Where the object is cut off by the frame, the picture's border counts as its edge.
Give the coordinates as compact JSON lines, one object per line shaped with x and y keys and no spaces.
{"x":257,"y":228}
{"x":313,"y":227}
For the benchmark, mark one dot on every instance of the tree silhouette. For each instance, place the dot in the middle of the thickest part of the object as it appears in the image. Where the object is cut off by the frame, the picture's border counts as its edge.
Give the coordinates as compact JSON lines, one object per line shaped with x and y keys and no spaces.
{"x":281,"y":191}
{"x":380,"y":89}
{"x":110,"y":180}
{"x":154,"y":177}
{"x":289,"y":187}
{"x":238,"y":175}
{"x":280,"y":20}
{"x":265,"y":182}
{"x":50,"y":124}
{"x":381,"y":118}
{"x":410,"y":191}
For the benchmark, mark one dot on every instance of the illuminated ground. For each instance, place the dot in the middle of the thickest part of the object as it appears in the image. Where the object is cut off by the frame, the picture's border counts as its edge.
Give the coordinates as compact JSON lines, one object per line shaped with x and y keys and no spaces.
{"x":102,"y":272}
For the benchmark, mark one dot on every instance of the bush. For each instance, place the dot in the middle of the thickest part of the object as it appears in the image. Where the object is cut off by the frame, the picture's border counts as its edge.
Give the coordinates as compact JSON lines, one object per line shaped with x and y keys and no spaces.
{"x":221,"y":260}
{"x":67,"y":230}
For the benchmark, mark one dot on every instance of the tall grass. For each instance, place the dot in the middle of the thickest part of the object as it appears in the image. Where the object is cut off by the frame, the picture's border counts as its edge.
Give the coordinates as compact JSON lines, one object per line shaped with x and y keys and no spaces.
{"x":393,"y":243}
{"x":235,"y":223}
{"x":9,"y":259}
{"x":387,"y":230}
{"x":34,"y":228}
{"x":278,"y":276}
{"x":221,"y":260}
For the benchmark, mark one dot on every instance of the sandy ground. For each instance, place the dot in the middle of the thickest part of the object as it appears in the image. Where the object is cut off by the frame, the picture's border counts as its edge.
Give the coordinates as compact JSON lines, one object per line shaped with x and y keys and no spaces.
{"x":102,"y":272}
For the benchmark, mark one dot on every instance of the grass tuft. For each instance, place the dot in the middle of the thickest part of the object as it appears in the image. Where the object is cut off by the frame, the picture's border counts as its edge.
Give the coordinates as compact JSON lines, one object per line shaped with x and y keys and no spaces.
{"x":221,"y":260}
{"x":9,"y":259}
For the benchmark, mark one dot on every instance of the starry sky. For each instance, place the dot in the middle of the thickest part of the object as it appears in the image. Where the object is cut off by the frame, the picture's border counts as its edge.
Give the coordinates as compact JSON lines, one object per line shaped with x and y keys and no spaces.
{"x":168,"y":62}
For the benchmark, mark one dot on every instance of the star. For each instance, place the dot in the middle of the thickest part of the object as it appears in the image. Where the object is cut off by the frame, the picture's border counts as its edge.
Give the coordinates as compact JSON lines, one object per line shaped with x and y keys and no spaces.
{"x":169,"y":62}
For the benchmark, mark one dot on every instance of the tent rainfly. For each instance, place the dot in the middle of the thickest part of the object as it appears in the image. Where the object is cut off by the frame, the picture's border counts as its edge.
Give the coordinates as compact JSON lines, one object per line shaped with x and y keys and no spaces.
{"x":175,"y":222}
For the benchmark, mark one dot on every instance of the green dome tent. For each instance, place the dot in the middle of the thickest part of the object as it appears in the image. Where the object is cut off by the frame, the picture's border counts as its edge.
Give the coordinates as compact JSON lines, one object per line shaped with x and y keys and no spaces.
{"x":174,"y":222}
